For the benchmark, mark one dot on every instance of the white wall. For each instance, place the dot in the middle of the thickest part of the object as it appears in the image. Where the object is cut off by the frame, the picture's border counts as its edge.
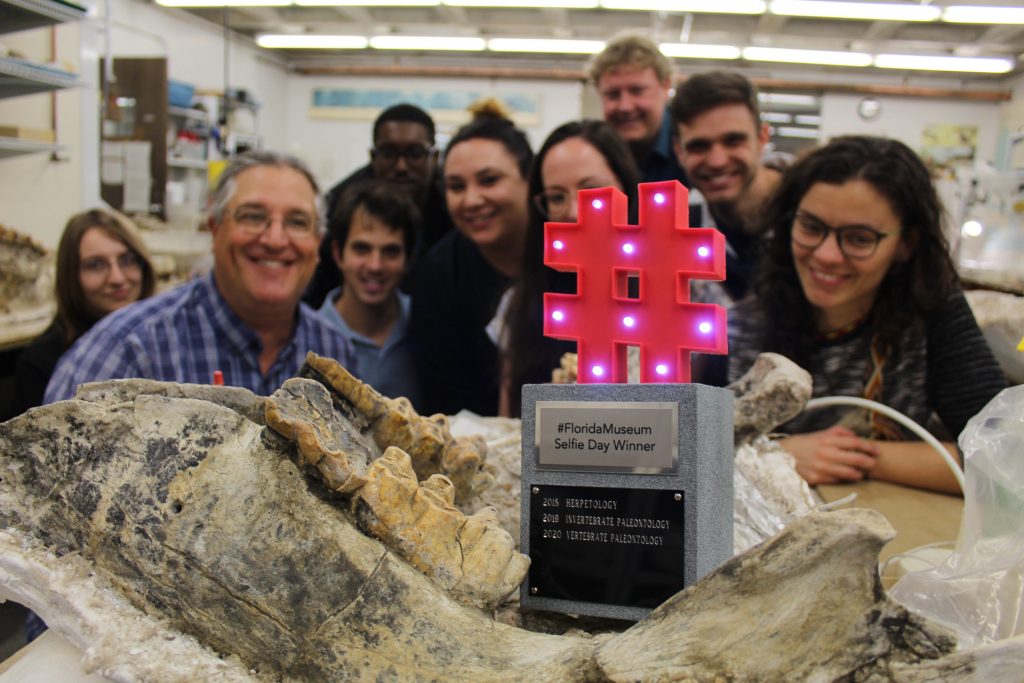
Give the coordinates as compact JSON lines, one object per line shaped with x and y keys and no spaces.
{"x":37,"y":194}
{"x":334,"y":147}
{"x":905,"y":119}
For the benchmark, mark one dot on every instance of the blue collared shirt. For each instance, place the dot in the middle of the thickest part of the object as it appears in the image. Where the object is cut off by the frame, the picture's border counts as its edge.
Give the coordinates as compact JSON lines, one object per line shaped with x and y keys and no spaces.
{"x":390,"y":368}
{"x":184,"y":335}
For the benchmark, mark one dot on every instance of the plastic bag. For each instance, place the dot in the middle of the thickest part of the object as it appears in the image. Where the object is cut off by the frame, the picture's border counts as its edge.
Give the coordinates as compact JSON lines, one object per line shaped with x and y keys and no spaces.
{"x":979,"y":590}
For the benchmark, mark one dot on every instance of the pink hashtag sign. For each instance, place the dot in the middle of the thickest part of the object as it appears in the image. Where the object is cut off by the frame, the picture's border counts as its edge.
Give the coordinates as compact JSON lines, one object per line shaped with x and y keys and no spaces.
{"x":663,"y":253}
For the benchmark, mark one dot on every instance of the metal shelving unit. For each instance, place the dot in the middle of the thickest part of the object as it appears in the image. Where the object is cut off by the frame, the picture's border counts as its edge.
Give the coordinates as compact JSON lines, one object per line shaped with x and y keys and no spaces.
{"x":20,"y":77}
{"x":182,"y":162}
{"x":10,"y":147}
{"x":20,"y":15}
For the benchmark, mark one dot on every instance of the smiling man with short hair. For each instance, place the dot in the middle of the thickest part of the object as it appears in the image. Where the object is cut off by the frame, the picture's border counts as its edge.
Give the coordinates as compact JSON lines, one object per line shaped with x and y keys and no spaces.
{"x":721,"y":142}
{"x":633,"y":79}
{"x":245,"y":318}
{"x":372,"y":233}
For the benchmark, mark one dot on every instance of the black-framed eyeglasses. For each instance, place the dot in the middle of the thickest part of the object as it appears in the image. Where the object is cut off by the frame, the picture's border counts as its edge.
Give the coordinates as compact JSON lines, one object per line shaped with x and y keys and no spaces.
{"x":254,"y":221}
{"x":855,"y":241}
{"x":411,"y":153}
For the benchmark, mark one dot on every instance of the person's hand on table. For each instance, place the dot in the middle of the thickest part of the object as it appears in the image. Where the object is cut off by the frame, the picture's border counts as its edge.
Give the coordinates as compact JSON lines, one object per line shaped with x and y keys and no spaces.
{"x":831,"y":456}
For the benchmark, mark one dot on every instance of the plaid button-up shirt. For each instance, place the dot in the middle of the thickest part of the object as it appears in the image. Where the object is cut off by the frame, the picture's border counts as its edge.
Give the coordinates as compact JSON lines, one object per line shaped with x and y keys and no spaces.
{"x":184,"y":335}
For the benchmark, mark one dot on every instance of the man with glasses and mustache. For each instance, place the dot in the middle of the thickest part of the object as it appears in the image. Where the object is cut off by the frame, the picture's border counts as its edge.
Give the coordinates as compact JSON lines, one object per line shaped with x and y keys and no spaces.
{"x":404,"y":154}
{"x":242,"y":324}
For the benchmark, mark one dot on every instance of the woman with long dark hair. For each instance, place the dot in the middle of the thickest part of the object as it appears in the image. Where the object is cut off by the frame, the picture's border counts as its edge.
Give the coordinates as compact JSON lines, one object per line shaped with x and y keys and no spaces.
{"x":856,"y":285}
{"x":101,"y":266}
{"x":576,"y":156}
{"x":461,"y":280}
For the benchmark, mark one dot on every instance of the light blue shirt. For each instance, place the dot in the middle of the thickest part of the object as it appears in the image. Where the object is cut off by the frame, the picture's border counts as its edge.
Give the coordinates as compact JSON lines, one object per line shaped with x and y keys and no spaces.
{"x":391,"y":368}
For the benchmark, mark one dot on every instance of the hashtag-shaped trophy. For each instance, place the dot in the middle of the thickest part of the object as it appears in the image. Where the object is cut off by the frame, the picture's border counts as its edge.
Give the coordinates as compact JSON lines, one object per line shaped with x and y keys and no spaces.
{"x":662,"y":253}
{"x":627,"y":493}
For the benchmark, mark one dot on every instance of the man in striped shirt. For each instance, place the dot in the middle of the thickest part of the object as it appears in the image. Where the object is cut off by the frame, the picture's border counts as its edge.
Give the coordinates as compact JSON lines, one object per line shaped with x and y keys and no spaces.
{"x":245,"y":318}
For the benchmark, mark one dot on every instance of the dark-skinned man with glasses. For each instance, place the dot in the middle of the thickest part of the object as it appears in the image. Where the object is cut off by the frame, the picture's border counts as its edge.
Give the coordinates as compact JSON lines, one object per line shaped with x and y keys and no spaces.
{"x":243,"y":323}
{"x":403,"y":153}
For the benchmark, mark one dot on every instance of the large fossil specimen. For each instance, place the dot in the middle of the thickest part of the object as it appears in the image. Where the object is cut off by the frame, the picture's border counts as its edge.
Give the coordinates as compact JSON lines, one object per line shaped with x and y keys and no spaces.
{"x":187,"y":503}
{"x":26,"y":278}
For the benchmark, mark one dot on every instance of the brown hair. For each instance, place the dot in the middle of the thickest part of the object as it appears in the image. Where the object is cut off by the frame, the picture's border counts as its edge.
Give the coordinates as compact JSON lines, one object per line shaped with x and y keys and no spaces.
{"x":633,"y":51}
{"x":705,"y":91}
{"x":490,"y":122}
{"x":73,"y":313}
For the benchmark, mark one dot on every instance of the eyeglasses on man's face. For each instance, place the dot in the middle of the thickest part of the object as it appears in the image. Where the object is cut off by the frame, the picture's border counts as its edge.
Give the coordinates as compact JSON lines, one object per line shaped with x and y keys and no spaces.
{"x":129,"y":261}
{"x":254,"y":221}
{"x":855,"y":241}
{"x":411,"y":153}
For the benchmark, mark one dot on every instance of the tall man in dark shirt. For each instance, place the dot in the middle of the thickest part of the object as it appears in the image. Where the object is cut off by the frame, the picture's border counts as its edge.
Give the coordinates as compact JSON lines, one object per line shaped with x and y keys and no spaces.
{"x":633,"y":80}
{"x":403,"y":153}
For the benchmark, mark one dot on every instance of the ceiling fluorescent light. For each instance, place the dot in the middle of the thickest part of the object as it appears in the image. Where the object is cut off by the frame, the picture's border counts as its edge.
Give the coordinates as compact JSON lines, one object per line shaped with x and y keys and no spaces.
{"x":873,"y":11}
{"x":823,"y":57}
{"x":452,"y":43}
{"x":984,"y":65}
{"x":311,"y":42}
{"x":224,"y":3}
{"x":808,"y":119}
{"x":680,"y":6}
{"x":539,"y":4}
{"x":969,"y":14}
{"x":791,"y":132}
{"x":692,"y":51}
{"x":776,"y":117}
{"x":368,"y":3}
{"x":583,"y":47}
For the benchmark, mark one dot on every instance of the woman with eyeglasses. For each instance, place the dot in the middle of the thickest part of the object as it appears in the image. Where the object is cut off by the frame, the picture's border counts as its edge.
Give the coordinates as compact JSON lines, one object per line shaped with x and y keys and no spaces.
{"x":856,"y":285}
{"x":578,"y":155}
{"x":460,"y":281}
{"x":102,"y":266}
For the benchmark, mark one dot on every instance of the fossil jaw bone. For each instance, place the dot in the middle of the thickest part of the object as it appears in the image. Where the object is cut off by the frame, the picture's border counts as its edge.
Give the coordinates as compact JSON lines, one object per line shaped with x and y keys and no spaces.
{"x":393,"y":422}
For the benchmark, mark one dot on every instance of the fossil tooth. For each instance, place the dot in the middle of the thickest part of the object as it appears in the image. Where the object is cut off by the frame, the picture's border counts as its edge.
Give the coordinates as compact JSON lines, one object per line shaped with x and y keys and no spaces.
{"x":472,"y":557}
{"x":393,"y":422}
{"x":301,"y":411}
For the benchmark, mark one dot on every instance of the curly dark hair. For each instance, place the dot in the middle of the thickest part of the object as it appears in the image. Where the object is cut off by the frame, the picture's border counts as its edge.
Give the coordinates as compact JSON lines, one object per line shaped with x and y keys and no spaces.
{"x":911,"y":289}
{"x":531,"y":356}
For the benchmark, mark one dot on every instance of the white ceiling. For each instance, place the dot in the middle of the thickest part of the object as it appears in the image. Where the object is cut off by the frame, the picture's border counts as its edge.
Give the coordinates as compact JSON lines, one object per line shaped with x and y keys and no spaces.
{"x":766,"y":30}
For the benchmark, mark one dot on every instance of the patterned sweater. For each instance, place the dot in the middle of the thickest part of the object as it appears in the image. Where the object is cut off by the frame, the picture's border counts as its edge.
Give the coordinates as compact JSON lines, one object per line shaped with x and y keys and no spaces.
{"x":942,"y":368}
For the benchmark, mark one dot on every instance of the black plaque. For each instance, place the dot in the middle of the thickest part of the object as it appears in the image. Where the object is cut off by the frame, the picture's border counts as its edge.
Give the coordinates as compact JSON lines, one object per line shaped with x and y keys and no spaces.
{"x":611,"y":546}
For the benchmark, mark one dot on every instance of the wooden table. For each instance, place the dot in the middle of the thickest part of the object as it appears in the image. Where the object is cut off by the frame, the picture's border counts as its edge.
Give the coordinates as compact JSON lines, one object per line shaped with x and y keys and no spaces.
{"x":919,"y":517}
